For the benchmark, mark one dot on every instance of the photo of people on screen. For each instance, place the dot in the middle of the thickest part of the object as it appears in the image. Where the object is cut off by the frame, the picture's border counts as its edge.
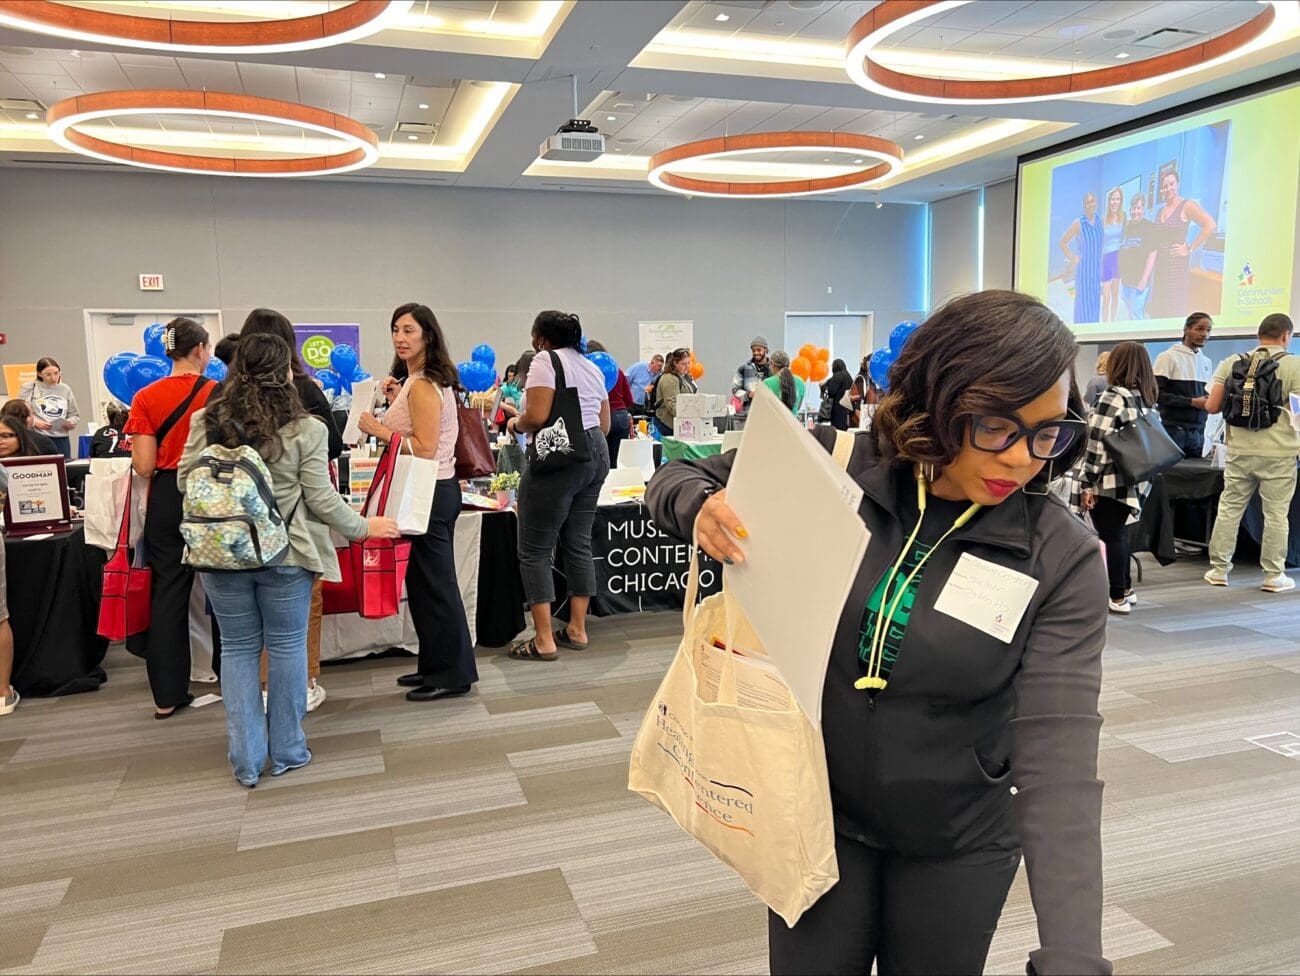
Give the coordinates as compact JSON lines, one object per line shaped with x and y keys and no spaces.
{"x":1138,"y":233}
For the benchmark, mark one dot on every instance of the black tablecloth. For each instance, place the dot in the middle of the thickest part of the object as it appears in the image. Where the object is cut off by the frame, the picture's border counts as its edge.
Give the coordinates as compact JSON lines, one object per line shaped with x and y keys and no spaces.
{"x":53,"y":590}
{"x":500,"y":617}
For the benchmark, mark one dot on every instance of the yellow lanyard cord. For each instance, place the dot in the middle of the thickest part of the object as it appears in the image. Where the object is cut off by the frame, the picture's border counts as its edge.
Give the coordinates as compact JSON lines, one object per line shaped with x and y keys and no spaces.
{"x":884,"y":619}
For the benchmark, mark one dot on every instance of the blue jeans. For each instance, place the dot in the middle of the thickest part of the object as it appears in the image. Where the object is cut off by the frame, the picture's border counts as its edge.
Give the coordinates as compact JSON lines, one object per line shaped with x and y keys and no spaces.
{"x":267,"y":608}
{"x":1136,"y":300}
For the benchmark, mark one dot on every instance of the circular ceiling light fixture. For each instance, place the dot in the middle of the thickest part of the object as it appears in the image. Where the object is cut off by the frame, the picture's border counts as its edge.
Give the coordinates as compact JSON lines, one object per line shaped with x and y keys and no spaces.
{"x":891,"y":16}
{"x":889,"y":154}
{"x":361,"y":145}
{"x":338,"y":25}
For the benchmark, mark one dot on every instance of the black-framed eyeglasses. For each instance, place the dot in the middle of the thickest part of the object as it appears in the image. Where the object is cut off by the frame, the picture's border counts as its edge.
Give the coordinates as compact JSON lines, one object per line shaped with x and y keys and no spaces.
{"x":995,"y":433}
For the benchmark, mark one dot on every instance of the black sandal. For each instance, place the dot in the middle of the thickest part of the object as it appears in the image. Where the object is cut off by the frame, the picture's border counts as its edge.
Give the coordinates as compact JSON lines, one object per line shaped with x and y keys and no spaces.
{"x":527,"y":651}
{"x":564,"y":640}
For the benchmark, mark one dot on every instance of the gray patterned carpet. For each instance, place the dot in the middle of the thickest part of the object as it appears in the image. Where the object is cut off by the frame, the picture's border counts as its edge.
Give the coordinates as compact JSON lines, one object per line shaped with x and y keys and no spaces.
{"x":495,"y":833}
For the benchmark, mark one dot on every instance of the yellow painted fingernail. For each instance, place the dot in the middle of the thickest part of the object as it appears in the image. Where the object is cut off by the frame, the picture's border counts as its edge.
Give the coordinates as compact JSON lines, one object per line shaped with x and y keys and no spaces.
{"x":741,"y":533}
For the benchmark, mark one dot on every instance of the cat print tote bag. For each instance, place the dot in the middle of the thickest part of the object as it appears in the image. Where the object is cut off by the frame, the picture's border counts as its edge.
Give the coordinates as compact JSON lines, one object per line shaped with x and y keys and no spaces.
{"x":562,"y":440}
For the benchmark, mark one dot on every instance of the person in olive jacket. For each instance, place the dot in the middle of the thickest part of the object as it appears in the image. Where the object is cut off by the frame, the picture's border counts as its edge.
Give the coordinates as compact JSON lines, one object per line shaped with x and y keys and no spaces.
{"x":959,"y":710}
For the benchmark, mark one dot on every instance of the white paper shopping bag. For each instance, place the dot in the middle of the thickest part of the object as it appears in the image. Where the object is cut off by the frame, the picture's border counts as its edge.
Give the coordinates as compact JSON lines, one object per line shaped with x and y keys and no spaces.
{"x":105,"y":497}
{"x":410,"y":500}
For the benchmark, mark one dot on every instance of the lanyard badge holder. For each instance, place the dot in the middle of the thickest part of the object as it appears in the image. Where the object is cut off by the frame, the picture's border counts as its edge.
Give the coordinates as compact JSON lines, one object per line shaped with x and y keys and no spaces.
{"x":872,"y":681}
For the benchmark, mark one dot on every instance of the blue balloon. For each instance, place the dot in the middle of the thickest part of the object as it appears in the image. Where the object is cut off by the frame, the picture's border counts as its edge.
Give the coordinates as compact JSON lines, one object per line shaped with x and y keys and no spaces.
{"x":484,"y":354}
{"x":900,"y":334}
{"x":476,"y":377}
{"x":153,"y":341}
{"x":216,"y":369}
{"x":582,"y":345}
{"x":881,"y":360}
{"x":146,"y":370}
{"x":360,"y":374}
{"x":344,"y":360}
{"x":329,"y":379}
{"x":115,"y":375}
{"x":607,"y":366}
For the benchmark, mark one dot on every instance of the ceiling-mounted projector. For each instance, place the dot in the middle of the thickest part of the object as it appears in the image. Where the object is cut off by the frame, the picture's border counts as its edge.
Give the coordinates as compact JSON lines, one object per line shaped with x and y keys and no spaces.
{"x":577,"y":141}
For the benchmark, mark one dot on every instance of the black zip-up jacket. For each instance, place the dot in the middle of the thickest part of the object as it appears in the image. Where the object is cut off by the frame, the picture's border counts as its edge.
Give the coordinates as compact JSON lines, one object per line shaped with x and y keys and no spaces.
{"x":928,"y":766}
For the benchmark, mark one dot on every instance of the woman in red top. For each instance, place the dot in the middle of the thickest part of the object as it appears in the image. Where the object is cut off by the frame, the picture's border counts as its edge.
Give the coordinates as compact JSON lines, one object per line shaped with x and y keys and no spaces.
{"x":160,"y":425}
{"x":620,"y":409}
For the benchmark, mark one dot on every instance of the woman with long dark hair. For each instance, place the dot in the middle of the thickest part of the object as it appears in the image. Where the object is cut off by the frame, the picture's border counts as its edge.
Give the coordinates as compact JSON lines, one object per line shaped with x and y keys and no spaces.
{"x":1113,"y":501}
{"x":259,"y":406}
{"x":1170,"y":278}
{"x":423,"y":412}
{"x":54,"y":407}
{"x":559,"y":507}
{"x":834,"y":389}
{"x":960,"y":730}
{"x":15,"y":438}
{"x":267,"y":321}
{"x":158,"y":427}
{"x":784,"y":383}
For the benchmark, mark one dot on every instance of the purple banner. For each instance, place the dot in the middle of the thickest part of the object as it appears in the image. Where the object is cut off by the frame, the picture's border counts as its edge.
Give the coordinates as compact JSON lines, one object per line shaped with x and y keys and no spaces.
{"x":316,"y":342}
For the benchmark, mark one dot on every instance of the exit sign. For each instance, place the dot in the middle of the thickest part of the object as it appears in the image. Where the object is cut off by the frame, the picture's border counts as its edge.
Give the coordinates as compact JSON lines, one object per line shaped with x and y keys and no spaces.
{"x":151,"y":282}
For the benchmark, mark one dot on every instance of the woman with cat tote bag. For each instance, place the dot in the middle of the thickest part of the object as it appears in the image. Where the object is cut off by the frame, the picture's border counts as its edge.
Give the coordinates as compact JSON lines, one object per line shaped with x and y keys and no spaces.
{"x":567,"y":418}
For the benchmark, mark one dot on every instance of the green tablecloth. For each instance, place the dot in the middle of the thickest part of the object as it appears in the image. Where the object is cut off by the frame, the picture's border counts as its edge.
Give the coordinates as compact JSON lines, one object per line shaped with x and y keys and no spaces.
{"x":675,"y":450}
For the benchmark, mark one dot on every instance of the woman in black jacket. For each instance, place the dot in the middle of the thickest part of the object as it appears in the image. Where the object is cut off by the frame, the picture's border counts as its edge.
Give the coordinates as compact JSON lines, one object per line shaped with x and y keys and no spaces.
{"x":959,"y":710}
{"x":834,"y":389}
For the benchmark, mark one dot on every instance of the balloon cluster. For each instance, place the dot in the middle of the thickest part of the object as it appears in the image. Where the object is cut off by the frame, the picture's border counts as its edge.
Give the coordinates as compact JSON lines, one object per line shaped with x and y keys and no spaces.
{"x":812,"y":363}
{"x":127,"y":373}
{"x":480,"y":373}
{"x":696,"y":369}
{"x":884,"y":357}
{"x":346,"y":370}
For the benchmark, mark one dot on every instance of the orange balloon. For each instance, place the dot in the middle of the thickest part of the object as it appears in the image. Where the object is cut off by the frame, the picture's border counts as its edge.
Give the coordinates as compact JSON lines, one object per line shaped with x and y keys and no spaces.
{"x":801,"y":367}
{"x":820,"y":371}
{"x":696,"y":371}
{"x":824,"y":355}
{"x":808,"y":351}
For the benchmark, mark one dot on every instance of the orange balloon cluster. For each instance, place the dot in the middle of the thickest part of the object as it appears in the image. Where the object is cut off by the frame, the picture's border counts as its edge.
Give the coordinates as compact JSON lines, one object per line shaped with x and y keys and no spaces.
{"x":811,"y":363}
{"x":696,"y":370}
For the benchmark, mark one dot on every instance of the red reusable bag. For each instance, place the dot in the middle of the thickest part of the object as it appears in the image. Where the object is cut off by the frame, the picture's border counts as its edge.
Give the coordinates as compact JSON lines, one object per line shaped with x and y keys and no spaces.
{"x":374,"y":571}
{"x":124,"y":603}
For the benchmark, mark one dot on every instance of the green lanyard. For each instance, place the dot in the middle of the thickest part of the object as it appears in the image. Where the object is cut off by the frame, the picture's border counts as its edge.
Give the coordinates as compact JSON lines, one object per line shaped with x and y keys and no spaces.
{"x":872,"y":681}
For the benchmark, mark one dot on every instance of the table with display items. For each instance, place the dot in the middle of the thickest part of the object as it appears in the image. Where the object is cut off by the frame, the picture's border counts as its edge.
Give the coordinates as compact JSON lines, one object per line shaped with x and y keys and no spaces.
{"x":54,"y":583}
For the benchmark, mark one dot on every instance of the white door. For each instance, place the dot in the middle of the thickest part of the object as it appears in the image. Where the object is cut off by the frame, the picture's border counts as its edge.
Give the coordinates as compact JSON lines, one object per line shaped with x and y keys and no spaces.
{"x":847,"y":335}
{"x":109,"y":332}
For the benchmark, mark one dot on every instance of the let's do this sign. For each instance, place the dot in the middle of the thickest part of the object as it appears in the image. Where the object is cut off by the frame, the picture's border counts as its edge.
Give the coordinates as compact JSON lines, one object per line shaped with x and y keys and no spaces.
{"x":317,"y":342}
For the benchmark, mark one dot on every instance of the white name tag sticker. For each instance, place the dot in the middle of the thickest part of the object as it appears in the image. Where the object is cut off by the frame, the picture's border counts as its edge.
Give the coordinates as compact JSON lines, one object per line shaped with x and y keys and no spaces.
{"x":987,"y":596}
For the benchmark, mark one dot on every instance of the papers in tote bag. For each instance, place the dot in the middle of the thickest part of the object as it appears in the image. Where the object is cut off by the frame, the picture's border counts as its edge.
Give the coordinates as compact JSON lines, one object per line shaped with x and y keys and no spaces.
{"x":363,"y":399}
{"x":791,"y":496}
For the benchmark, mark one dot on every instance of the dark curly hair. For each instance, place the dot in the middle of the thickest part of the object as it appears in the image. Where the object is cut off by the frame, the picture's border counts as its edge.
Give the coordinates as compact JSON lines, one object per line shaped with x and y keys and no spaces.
{"x":256,"y":399}
{"x":562,"y":330}
{"x":987,"y":352}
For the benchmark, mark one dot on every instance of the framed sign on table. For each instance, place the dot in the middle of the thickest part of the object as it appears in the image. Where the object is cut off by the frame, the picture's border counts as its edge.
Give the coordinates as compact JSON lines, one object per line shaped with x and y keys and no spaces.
{"x":36,"y":499}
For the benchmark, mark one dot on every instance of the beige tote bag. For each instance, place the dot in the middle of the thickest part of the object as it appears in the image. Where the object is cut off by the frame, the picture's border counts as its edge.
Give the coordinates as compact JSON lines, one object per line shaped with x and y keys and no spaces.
{"x":725,"y":750}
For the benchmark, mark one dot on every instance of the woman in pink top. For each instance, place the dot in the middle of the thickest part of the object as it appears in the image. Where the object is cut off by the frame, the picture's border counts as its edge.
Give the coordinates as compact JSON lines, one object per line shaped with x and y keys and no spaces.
{"x":424,"y":413}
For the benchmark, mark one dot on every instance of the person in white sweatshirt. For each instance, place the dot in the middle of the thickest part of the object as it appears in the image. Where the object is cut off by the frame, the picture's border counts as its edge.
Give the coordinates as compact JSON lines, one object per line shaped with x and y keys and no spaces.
{"x":53,"y":405}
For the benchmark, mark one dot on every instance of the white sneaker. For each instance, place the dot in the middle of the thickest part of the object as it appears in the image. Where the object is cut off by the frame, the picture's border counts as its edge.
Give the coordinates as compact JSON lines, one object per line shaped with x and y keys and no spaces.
{"x":10,"y":701}
{"x":206,"y":678}
{"x":1216,"y":577}
{"x":1131,"y":599}
{"x":1278,"y":584}
{"x":1120,"y":606}
{"x":315,"y":696}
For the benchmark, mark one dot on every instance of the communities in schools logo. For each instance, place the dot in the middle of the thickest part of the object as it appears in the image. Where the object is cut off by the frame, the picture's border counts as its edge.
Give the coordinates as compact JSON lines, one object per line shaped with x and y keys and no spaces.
{"x":1247,"y":276}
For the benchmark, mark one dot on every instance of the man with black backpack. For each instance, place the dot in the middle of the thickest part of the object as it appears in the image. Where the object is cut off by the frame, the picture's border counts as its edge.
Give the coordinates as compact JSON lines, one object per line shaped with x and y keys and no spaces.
{"x":1253,"y":390}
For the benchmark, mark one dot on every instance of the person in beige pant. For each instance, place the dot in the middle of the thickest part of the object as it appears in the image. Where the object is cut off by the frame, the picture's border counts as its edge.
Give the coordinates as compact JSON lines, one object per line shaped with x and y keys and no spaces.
{"x":1258,"y":460}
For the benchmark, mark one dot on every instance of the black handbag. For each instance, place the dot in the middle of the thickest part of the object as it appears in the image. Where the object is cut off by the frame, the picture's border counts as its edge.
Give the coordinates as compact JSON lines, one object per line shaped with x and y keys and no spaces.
{"x":1142,"y":449}
{"x":562,"y":440}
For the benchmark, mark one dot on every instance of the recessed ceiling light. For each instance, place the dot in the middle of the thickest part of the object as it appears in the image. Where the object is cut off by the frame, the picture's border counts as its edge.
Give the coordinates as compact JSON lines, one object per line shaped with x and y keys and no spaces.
{"x":75,"y":54}
{"x":826,"y":159}
{"x":1121,"y":56}
{"x":611,"y":118}
{"x":424,"y":105}
{"x":414,"y":138}
{"x":33,"y":115}
{"x":858,"y":162}
{"x":722,"y":18}
{"x":380,"y":75}
{"x":918,"y":138}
